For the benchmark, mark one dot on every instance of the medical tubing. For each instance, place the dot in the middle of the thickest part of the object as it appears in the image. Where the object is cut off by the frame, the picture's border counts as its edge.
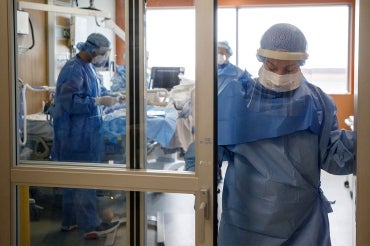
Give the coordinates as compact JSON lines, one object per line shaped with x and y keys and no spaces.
{"x":32,"y":34}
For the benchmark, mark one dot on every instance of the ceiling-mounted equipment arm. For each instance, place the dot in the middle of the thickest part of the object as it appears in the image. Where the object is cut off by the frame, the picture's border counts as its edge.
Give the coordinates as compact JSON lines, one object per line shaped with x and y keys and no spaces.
{"x":75,"y":11}
{"x":116,"y":29}
{"x":60,"y":9}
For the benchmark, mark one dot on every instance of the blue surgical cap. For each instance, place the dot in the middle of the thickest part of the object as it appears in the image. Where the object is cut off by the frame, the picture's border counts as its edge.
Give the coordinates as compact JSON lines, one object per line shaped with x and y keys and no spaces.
{"x":283,"y":37}
{"x":94,"y":42}
{"x":226,"y":46}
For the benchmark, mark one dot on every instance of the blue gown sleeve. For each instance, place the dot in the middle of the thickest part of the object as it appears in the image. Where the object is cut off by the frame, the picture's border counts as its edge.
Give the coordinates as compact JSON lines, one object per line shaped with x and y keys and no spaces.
{"x":77,"y":91}
{"x":340,"y":157}
{"x":224,"y":153}
{"x":336,"y":146}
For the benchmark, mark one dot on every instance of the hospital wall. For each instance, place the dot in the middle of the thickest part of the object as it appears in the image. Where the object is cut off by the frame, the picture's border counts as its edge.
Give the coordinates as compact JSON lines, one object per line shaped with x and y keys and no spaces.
{"x":40,"y":65}
{"x":33,"y":64}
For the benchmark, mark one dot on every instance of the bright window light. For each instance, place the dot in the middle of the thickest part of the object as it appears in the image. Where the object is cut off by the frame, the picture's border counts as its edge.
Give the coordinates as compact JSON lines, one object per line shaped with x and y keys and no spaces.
{"x":327,"y":32}
{"x":170,"y":39}
{"x":226,"y":29}
{"x":172,"y":43}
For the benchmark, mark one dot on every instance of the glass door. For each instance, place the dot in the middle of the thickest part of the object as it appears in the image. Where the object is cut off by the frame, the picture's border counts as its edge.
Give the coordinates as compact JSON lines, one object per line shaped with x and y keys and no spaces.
{"x":114,"y":152}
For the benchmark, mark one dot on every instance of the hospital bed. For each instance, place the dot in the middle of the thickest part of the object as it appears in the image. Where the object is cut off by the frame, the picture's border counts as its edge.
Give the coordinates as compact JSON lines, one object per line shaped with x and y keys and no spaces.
{"x":40,"y":137}
{"x":35,"y":132}
{"x":169,"y":126}
{"x":160,"y":129}
{"x":161,"y":125}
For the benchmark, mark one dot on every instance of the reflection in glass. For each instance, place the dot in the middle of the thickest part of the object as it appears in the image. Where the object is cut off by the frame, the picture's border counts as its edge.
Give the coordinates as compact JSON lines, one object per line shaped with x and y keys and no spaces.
{"x":170,"y":218}
{"x":63,"y":216}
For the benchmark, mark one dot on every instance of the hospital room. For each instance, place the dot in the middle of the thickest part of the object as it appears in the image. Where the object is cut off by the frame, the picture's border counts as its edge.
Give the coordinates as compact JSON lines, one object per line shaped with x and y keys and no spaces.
{"x":169,"y":122}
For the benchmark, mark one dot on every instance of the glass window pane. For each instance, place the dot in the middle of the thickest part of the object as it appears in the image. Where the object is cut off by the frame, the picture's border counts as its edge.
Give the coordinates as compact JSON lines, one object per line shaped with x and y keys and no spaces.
{"x":327,"y":67}
{"x":65,"y":216}
{"x":326,"y":34}
{"x":71,"y":107}
{"x":171,"y":43}
{"x":170,"y":49}
{"x":173,"y":216}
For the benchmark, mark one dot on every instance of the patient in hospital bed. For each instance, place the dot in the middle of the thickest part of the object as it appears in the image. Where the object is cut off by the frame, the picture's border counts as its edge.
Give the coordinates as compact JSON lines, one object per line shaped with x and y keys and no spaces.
{"x":169,"y":122}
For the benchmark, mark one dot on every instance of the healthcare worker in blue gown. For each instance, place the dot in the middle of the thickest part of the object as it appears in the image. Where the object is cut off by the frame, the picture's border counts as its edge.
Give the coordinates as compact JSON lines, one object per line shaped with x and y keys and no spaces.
{"x":278,"y":131}
{"x":226,"y":71}
{"x":77,"y":118}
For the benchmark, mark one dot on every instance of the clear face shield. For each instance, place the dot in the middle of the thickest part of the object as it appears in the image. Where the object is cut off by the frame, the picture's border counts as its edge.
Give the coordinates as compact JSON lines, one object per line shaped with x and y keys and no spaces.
{"x":102,"y":57}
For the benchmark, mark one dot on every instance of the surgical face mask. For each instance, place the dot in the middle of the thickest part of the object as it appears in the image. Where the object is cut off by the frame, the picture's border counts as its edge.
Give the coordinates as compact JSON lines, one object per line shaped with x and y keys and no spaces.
{"x":100,"y":60}
{"x":221,"y":59}
{"x":279,"y":83}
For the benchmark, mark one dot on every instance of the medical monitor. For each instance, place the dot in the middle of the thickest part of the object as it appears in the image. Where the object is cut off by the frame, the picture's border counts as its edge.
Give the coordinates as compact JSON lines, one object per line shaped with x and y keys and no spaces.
{"x":165,"y":77}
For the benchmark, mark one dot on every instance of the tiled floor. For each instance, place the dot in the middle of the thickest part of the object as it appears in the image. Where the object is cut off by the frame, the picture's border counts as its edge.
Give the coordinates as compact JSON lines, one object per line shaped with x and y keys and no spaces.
{"x":341,"y":219}
{"x":171,"y":221}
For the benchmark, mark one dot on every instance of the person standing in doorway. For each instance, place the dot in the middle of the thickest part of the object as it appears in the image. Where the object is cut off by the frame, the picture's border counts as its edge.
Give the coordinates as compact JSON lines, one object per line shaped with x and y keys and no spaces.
{"x":77,"y":119}
{"x":277,"y":132}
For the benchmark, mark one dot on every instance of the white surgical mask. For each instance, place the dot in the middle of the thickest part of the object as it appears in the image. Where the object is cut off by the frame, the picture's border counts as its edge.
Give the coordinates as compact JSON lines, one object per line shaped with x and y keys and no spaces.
{"x":100,"y":60}
{"x":221,"y":59}
{"x":279,"y":83}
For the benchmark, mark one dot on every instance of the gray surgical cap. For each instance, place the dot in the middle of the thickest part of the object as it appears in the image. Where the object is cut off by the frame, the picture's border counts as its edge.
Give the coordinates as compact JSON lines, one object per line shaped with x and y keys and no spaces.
{"x":95,"y":42}
{"x":283,"y":41}
{"x":226,"y":46}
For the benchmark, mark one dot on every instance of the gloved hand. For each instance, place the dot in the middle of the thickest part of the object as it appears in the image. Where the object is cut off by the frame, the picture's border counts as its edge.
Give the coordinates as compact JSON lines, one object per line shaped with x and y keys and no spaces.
{"x":122,"y":98}
{"x":106,"y":101}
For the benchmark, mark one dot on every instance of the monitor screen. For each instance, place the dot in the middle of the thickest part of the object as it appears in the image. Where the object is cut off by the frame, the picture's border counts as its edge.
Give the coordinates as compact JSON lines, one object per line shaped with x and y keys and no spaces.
{"x":165,"y":77}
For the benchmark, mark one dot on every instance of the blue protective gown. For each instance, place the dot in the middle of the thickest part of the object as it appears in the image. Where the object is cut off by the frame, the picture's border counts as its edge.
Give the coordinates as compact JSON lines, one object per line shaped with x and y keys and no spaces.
{"x":226,"y":73}
{"x":76,"y":118}
{"x":77,"y":122}
{"x":276,"y":144}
